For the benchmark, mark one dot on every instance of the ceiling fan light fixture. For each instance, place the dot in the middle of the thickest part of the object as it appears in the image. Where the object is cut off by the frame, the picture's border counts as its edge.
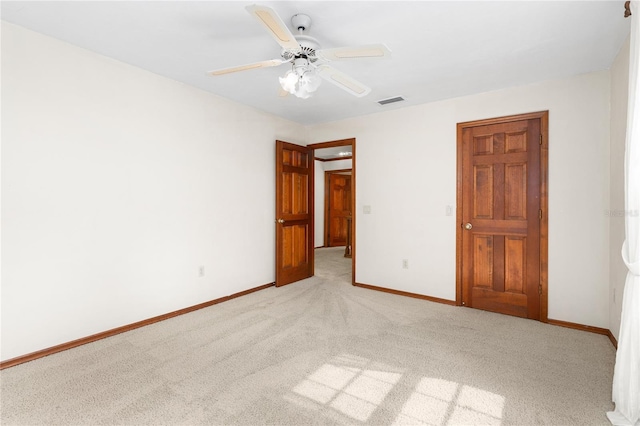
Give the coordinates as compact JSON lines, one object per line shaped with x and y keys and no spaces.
{"x":289,"y":81}
{"x":311,"y":81}
{"x":301,"y":80}
{"x":302,"y":93}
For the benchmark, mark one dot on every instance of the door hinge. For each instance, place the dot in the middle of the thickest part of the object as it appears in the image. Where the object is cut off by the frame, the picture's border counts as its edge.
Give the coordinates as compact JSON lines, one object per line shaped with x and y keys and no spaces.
{"x":540,"y":289}
{"x":540,"y":214}
{"x":540,"y":138}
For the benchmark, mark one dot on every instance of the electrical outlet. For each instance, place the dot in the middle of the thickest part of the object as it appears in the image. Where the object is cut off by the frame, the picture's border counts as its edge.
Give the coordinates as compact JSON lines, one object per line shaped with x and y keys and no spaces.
{"x":201,"y":271}
{"x":405,"y":264}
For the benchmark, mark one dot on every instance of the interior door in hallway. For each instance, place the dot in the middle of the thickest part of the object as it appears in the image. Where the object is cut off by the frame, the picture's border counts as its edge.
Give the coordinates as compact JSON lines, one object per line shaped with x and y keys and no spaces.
{"x":294,"y":212}
{"x":501,"y":212}
{"x":338,"y":202}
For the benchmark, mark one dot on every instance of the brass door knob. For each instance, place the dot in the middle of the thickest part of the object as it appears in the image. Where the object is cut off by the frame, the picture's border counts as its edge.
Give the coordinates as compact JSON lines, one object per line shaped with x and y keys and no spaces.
{"x":280,"y":221}
{"x":468,"y":226}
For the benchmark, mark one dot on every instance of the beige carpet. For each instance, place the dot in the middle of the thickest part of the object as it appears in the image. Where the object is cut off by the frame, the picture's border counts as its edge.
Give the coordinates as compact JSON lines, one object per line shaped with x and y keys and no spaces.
{"x":322,"y":352}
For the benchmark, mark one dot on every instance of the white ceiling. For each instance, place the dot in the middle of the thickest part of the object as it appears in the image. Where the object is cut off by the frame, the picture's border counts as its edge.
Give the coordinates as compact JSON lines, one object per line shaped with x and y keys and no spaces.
{"x":440,"y":49}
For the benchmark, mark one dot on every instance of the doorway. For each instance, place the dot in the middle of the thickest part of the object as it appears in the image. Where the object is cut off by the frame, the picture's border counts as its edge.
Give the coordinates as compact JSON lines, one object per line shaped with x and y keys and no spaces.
{"x":503,"y":215}
{"x":332,"y":157}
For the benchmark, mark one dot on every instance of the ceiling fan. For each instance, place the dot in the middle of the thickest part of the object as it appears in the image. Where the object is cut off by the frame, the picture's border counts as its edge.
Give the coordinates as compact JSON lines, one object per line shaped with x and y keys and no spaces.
{"x":308,"y":62}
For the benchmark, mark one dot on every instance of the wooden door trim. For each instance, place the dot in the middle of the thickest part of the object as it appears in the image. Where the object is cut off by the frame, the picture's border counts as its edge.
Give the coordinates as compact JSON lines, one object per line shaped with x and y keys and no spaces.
{"x":326,"y":201}
{"x":333,"y":144}
{"x":544,"y":201}
{"x":347,"y":157}
{"x":346,"y":142}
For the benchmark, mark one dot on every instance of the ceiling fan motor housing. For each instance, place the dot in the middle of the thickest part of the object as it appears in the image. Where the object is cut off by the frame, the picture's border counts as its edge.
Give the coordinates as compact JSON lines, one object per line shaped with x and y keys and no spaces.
{"x":308,"y":47}
{"x":300,"y":65}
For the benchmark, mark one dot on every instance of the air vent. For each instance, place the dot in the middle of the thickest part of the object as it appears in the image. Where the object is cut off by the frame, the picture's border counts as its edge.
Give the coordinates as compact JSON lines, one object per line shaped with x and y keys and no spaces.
{"x":391,"y":100}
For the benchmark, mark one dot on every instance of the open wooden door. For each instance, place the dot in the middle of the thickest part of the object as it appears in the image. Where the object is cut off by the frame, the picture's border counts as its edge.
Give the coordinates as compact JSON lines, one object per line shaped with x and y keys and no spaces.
{"x":501,"y":202}
{"x":294,"y":212}
{"x":338,"y":207}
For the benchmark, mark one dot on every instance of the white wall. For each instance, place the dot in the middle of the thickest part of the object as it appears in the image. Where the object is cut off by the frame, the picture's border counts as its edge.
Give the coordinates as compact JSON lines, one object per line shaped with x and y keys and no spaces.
{"x":117,"y":185}
{"x":408,"y":201}
{"x":619,"y":98}
{"x":320,"y":168}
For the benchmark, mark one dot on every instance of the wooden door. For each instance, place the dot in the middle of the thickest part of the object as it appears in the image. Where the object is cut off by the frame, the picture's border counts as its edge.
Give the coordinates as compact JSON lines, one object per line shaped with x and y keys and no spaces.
{"x":501,"y":212}
{"x":338,"y":187}
{"x":294,"y":213}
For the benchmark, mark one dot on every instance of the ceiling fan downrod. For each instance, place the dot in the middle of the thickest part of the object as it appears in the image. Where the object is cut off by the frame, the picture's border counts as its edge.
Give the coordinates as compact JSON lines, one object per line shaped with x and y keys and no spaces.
{"x":301,"y":22}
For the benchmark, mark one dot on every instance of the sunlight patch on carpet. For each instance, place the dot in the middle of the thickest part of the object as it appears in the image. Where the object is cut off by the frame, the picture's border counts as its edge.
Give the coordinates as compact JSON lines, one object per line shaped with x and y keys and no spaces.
{"x":351,"y":385}
{"x":442,"y":402}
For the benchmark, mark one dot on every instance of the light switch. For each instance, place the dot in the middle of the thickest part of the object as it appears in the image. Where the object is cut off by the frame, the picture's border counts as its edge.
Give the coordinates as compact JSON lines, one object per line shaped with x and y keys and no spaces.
{"x":366,"y":209}
{"x":449,"y":211}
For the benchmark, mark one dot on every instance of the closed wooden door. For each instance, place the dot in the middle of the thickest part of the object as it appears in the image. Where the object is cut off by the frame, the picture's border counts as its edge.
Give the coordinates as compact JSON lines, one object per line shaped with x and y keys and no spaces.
{"x":500,"y":174}
{"x":338,"y":208}
{"x":294,"y":213}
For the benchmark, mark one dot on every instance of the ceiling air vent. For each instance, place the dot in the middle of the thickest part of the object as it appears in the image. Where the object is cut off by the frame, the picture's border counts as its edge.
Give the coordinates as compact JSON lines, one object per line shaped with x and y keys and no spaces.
{"x":390,"y":100}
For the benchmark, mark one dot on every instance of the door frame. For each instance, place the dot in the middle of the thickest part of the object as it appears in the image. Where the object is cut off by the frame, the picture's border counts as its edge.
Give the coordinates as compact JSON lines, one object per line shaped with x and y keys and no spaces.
{"x":346,"y":142}
{"x":544,"y":201}
{"x":326,"y":199}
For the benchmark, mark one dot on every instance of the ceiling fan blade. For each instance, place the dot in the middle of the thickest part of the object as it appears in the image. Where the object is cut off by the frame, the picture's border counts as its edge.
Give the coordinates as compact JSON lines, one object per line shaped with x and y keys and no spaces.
{"x":283,"y":93}
{"x":272,"y":22}
{"x":263,"y":64}
{"x":343,"y":81}
{"x":354,"y":52}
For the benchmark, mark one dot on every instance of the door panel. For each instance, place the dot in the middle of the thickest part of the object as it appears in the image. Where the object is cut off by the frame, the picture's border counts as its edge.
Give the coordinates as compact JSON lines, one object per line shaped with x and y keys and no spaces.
{"x":483,"y":187}
{"x":500,"y":196}
{"x":483,"y":261}
{"x":294,"y":213}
